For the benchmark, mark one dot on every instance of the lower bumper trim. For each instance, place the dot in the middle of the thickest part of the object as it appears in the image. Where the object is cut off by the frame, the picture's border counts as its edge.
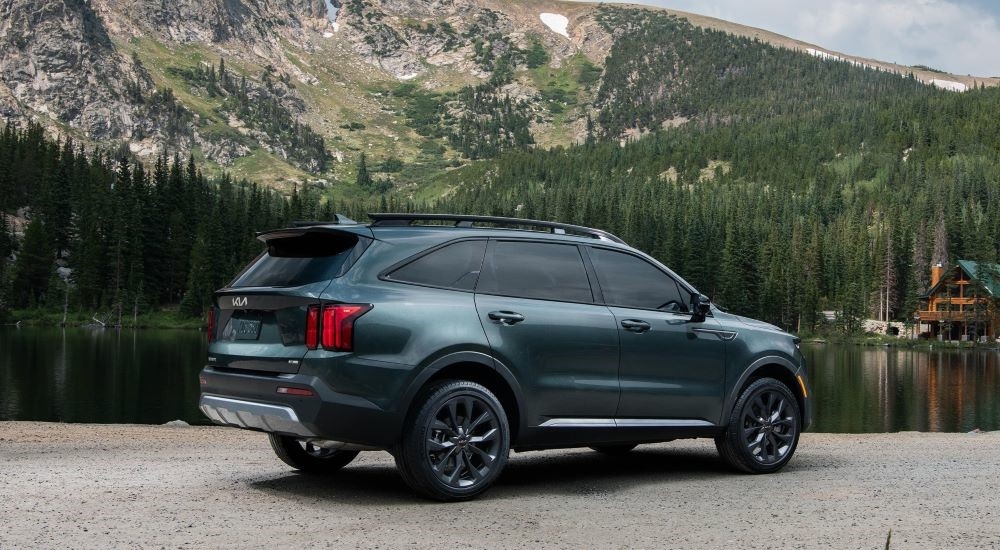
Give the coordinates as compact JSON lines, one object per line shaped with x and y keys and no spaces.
{"x":253,"y":415}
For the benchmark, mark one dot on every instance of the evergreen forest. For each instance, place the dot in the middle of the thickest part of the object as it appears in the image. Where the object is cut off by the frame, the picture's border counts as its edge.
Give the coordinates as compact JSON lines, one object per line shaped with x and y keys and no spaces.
{"x":107,"y":236}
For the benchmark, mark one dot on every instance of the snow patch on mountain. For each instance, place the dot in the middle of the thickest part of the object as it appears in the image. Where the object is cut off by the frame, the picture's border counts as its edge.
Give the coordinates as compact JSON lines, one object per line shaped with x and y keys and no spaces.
{"x":829,"y":56}
{"x":557,"y":22}
{"x":949,"y":85}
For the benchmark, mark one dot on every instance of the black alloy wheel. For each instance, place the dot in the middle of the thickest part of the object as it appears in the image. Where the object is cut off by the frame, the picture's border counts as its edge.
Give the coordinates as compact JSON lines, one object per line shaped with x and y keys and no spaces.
{"x":457,"y":443}
{"x":763,"y":428}
{"x":305,"y":456}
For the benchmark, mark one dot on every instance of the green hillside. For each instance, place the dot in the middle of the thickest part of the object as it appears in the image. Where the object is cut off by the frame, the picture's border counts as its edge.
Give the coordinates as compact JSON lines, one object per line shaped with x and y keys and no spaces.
{"x":831,"y":183}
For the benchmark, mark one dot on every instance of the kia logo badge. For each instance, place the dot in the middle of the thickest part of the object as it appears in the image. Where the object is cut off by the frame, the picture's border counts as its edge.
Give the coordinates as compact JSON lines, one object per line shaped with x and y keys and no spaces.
{"x":240,"y":301}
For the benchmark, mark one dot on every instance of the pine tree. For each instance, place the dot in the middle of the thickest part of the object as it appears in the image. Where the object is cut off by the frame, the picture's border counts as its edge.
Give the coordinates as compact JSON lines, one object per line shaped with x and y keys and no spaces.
{"x":155,"y":237}
{"x":6,"y":247}
{"x":34,"y":266}
{"x":363,"y":179}
{"x":941,"y":255}
{"x":206,"y":267}
{"x":536,"y":56}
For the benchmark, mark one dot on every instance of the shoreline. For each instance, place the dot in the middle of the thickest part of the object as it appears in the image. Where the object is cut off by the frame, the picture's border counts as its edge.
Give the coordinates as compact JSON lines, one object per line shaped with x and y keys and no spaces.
{"x":156,"y":323}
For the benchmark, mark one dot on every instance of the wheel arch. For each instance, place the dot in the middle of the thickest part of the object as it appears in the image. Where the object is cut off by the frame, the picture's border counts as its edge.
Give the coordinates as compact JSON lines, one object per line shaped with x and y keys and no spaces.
{"x":479,"y":368}
{"x":776,"y":367}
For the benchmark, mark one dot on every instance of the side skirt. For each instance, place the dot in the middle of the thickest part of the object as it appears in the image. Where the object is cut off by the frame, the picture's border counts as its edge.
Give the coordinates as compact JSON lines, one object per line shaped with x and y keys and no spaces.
{"x":557,"y":433}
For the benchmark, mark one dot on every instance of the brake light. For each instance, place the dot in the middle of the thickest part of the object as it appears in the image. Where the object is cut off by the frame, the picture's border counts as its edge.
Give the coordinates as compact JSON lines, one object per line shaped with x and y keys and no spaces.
{"x":338,"y":325}
{"x":211,"y":324}
{"x":312,"y":327}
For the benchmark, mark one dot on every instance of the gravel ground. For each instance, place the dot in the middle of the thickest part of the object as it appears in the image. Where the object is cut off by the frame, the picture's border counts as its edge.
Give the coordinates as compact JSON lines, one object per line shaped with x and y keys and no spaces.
{"x":99,"y":486}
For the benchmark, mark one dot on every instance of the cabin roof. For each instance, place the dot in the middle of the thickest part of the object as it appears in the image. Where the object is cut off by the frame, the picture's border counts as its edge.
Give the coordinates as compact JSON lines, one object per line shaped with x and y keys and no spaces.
{"x":986,"y":274}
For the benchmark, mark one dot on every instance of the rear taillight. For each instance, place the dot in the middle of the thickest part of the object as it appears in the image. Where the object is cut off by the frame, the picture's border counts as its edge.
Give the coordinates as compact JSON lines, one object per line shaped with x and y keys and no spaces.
{"x":338,"y":325}
{"x":211,"y":324}
{"x":312,"y":327}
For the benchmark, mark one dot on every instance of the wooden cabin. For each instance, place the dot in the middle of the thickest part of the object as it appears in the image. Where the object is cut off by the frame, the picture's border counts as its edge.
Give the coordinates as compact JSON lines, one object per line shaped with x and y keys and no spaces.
{"x":962,"y":303}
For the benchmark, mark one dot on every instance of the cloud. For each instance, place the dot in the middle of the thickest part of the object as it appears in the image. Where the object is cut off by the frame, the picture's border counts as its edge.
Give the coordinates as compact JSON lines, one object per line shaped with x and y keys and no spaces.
{"x":946,"y":35}
{"x":961,"y":37}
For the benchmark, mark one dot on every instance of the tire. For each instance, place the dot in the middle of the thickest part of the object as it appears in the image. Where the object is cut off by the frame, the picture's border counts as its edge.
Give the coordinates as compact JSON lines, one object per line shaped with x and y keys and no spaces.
{"x":455,"y":442}
{"x":763,"y":429}
{"x":615,"y":450}
{"x":308,"y":457}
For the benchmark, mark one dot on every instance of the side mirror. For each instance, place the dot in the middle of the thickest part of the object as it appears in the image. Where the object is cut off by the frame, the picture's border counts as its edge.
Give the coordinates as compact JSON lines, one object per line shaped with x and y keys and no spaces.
{"x":702,"y":307}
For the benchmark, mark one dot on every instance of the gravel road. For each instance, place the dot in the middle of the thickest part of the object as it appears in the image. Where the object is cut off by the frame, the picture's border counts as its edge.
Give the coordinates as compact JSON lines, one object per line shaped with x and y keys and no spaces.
{"x":99,"y":486}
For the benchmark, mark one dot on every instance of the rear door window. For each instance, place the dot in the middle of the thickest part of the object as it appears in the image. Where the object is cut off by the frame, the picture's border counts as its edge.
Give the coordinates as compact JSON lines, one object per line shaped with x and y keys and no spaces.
{"x":456,"y":265}
{"x":546,"y":271}
{"x":301,"y":259}
{"x":630,"y":281}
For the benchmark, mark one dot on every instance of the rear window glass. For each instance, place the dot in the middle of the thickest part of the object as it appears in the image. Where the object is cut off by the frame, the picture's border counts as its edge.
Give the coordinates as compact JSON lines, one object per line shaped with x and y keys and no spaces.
{"x":299,"y":260}
{"x":453,"y":266}
{"x":536,"y":270}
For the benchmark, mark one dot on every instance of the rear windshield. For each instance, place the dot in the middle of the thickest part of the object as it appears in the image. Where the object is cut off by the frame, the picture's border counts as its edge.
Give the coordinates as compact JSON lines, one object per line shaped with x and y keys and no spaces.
{"x":301,"y":259}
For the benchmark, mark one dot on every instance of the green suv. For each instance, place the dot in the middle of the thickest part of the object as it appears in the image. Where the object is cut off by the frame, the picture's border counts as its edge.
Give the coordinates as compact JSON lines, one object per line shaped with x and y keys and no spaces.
{"x":450,"y":340}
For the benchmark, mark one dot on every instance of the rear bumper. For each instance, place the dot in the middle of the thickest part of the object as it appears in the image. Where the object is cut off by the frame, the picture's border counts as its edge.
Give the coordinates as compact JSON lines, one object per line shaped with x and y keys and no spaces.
{"x":251,"y":401}
{"x":252,"y":415}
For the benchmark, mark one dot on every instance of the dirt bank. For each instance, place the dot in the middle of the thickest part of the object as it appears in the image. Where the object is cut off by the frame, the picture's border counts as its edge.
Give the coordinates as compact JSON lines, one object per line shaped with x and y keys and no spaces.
{"x":88,"y":486}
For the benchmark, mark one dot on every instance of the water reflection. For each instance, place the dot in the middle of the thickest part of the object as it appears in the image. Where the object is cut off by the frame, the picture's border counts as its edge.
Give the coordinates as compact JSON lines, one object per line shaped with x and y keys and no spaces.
{"x":860,"y":389}
{"x":105,"y":376}
{"x":151,"y":376}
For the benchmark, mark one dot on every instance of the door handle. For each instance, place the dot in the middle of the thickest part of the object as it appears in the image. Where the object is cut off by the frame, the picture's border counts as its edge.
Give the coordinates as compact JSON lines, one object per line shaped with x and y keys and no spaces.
{"x":635,"y":325}
{"x":506,"y":317}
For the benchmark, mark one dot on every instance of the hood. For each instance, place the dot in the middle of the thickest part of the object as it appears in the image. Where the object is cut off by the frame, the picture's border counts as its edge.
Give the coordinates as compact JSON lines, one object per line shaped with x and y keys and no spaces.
{"x":754,"y":323}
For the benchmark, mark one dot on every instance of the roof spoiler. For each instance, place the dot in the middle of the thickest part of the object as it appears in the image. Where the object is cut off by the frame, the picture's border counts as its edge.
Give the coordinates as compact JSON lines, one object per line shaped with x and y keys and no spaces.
{"x":338,"y":219}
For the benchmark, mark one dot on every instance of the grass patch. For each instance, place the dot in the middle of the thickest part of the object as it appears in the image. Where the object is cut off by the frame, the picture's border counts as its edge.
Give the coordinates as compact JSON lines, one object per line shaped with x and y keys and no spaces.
{"x":846,"y":164}
{"x":267,"y":169}
{"x":565,"y":93}
{"x":220,"y":130}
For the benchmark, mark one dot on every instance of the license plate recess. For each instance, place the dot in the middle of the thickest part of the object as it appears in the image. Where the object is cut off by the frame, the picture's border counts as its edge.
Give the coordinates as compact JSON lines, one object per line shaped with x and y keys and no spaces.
{"x":247,"y":329}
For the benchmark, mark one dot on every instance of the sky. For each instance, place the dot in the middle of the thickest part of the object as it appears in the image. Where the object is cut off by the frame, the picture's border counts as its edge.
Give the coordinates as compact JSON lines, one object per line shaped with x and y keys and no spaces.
{"x":957,"y":36}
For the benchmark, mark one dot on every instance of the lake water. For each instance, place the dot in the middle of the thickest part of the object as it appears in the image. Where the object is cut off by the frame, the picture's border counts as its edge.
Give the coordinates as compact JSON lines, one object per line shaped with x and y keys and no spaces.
{"x":151,"y":377}
{"x":103,"y":376}
{"x":864,"y":389}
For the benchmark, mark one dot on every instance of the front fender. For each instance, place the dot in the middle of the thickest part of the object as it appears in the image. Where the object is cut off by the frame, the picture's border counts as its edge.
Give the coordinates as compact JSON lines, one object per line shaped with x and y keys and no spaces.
{"x":749,"y":372}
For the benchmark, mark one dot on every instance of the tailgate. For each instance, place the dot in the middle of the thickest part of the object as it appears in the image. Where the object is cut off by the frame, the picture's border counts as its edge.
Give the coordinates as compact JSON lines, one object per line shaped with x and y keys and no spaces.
{"x":262,"y":316}
{"x":261,"y":332}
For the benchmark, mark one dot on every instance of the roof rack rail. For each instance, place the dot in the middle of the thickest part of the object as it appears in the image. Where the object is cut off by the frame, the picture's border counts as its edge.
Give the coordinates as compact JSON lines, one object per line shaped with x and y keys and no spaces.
{"x":469,"y":221}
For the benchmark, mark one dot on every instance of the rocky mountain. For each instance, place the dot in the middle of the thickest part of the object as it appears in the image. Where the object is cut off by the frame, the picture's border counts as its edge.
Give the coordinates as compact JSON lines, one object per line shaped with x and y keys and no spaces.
{"x":283,"y":91}
{"x":60,"y":64}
